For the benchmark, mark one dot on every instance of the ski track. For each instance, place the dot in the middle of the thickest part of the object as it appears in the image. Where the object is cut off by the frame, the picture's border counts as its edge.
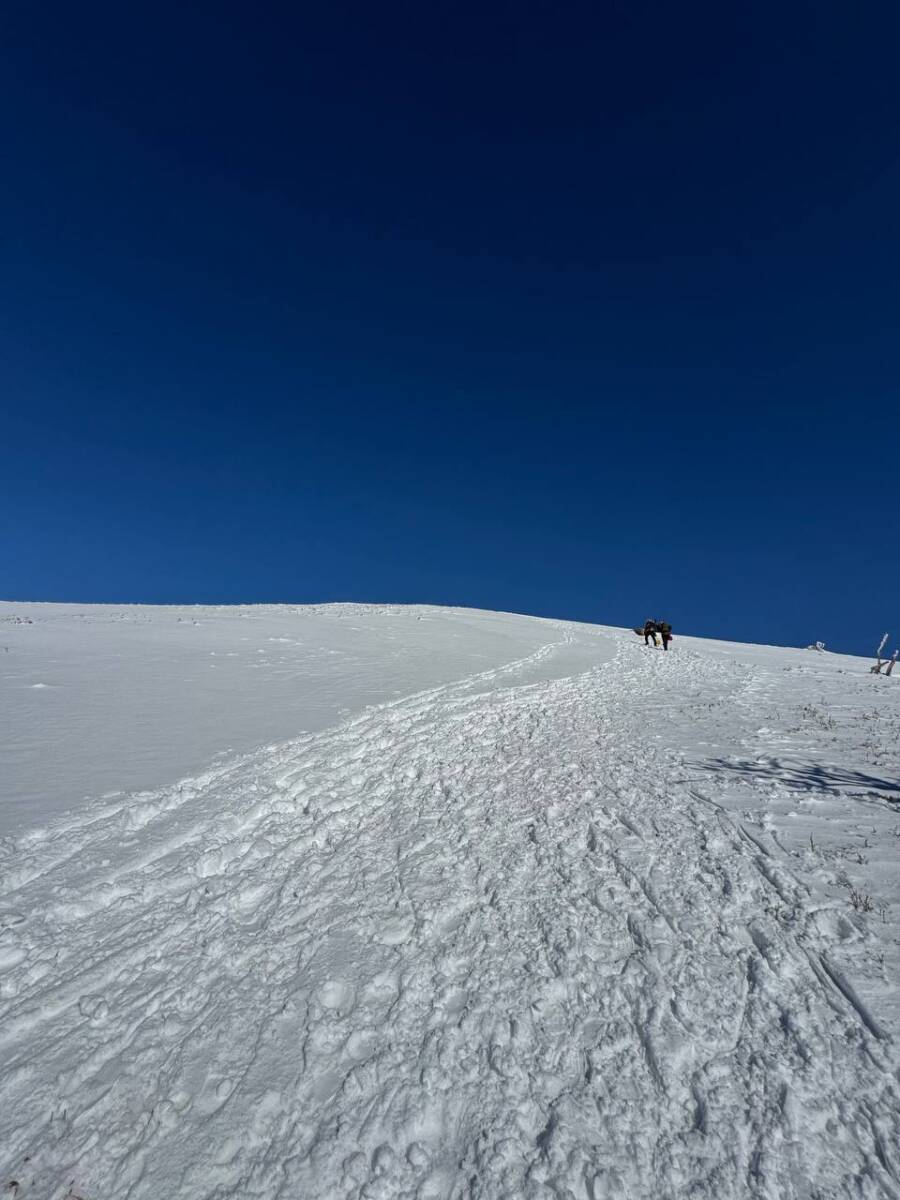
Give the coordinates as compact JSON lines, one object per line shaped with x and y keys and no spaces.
{"x":484,"y":941}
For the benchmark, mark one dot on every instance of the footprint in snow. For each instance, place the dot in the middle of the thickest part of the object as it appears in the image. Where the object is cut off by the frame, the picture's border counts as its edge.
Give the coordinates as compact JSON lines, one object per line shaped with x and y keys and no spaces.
{"x":395,"y":932}
{"x":337,"y":996}
{"x":360,"y":1044}
{"x":215,"y":1093}
{"x":94,"y":1008}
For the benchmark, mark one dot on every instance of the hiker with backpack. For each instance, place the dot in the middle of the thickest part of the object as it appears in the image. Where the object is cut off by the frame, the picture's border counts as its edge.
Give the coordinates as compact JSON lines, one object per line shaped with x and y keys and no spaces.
{"x":665,"y":632}
{"x":650,"y":632}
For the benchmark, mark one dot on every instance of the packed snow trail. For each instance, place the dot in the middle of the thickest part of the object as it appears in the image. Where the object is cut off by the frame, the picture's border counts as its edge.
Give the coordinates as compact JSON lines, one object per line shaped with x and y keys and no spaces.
{"x":476,"y":943}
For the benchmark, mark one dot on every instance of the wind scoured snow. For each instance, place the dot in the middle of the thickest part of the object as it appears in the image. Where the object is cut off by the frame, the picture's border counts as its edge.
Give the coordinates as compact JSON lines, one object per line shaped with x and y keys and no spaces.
{"x":513,"y":935}
{"x":135,"y":696}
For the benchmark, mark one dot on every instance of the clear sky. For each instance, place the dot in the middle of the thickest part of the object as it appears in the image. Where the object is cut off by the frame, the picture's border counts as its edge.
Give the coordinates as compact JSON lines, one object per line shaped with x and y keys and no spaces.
{"x":585,"y":310}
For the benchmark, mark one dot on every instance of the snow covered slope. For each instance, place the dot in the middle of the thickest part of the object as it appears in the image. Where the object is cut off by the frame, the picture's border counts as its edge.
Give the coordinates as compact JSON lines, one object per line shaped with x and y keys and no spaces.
{"x":579,"y":919}
{"x":102,"y":698}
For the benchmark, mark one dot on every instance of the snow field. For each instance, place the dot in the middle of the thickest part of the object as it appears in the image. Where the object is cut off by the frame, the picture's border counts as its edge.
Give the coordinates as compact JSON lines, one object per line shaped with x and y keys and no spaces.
{"x":498,"y":938}
{"x":101,"y":698}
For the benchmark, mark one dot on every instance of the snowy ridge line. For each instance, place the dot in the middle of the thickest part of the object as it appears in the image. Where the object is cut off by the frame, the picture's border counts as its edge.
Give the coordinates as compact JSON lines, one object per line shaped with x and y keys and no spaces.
{"x":105,"y":702}
{"x":137,"y":810}
{"x":482,"y":944}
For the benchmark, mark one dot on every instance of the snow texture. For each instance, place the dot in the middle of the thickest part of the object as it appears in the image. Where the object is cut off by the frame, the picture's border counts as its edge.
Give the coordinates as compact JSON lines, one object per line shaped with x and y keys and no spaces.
{"x":128,"y":698}
{"x":591,"y":920}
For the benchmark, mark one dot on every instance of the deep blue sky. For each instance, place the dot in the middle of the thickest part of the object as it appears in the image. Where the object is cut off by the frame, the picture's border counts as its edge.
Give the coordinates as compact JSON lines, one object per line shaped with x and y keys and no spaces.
{"x":587,"y":310}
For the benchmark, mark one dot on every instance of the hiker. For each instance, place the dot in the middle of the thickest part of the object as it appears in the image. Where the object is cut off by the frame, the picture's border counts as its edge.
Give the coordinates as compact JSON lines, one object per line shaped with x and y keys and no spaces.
{"x":650,"y":628}
{"x":665,"y":631}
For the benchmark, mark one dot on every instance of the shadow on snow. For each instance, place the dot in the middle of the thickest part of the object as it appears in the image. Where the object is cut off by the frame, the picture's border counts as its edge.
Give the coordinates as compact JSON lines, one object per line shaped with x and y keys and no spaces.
{"x":803,"y":776}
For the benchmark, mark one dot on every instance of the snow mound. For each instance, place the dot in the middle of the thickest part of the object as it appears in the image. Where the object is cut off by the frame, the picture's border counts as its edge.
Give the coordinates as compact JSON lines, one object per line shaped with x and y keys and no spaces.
{"x":515,"y":934}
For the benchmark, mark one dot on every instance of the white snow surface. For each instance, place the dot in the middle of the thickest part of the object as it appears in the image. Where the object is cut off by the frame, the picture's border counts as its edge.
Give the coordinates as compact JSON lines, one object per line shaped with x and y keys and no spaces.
{"x":120,"y":698}
{"x":424,"y":902}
